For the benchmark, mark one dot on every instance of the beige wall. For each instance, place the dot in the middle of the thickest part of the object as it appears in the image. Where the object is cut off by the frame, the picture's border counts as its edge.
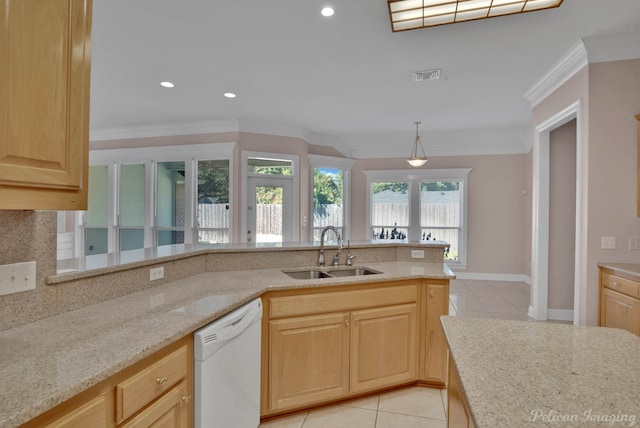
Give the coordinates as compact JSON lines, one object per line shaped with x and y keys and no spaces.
{"x":497,"y":218}
{"x":609,"y":95}
{"x":562,"y":215}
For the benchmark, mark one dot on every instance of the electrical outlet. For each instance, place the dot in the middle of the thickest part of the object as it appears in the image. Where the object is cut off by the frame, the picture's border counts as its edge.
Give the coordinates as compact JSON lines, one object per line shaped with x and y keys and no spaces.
{"x":17,"y":277}
{"x":608,"y":242}
{"x":156,"y":273}
{"x":633,"y":243}
{"x":417,"y":254}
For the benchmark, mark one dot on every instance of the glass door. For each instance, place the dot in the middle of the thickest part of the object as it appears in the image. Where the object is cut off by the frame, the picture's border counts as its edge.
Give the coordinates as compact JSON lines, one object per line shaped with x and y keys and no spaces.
{"x":269,"y":209}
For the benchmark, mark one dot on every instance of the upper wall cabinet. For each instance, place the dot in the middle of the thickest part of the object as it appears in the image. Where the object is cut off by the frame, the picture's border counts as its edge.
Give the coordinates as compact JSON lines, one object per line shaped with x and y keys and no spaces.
{"x":638,"y":188}
{"x":45,"y":51}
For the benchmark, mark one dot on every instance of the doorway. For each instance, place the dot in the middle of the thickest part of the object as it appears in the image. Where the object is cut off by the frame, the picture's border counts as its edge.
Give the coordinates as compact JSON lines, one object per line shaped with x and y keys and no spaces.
{"x":541,"y":221}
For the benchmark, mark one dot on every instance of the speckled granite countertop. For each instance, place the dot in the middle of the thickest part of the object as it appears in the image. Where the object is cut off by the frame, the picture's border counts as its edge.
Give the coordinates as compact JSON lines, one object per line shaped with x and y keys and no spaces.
{"x":46,"y":362}
{"x":521,"y":374}
{"x":632,"y":269}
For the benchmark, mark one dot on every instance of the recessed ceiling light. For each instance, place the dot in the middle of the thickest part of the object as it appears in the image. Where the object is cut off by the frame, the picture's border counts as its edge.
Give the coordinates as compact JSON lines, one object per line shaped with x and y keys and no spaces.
{"x":229,"y":95}
{"x":167,"y":84}
{"x":327,"y":11}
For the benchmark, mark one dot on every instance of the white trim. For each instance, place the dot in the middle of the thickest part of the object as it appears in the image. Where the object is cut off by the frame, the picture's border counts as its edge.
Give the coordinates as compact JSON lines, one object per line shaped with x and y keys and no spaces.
{"x":163,"y":153}
{"x":492,"y":276}
{"x":560,"y":314}
{"x":165,"y":130}
{"x":565,"y":68}
{"x":413,"y":174}
{"x":540,"y":217}
{"x":319,"y":161}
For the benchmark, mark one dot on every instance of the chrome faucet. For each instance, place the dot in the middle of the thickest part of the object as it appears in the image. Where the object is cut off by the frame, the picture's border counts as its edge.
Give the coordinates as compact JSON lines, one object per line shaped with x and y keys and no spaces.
{"x":336,"y":258}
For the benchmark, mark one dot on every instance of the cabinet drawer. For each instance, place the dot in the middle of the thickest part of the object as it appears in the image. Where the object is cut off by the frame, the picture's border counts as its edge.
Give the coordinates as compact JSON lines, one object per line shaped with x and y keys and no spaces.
{"x":143,"y":387}
{"x":621,"y":285}
{"x":337,"y":301}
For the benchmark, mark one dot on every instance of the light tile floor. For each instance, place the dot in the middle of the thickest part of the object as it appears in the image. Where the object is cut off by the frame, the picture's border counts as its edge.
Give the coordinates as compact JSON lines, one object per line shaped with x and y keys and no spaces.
{"x":418,"y":407}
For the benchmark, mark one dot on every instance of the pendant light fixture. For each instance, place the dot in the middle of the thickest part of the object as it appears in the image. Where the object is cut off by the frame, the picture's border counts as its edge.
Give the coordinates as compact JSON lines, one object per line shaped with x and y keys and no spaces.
{"x":414,"y":159}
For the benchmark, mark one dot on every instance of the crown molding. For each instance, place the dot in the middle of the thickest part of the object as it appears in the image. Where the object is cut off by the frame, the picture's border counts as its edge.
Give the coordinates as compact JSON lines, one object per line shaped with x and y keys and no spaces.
{"x":165,"y":130}
{"x":565,"y":68}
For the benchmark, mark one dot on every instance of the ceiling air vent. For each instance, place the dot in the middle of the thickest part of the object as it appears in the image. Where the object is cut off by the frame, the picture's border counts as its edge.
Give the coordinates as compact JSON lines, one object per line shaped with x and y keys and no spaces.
{"x":419,"y":76}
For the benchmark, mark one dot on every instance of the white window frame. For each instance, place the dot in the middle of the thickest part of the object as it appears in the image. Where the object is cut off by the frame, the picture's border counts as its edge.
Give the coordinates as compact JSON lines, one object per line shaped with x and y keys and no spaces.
{"x":189,"y":154}
{"x":414,"y":178}
{"x":344,"y":164}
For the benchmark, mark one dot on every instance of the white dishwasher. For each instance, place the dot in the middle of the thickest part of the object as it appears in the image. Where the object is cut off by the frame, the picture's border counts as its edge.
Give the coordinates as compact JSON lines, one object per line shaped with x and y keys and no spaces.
{"x":227,"y":370}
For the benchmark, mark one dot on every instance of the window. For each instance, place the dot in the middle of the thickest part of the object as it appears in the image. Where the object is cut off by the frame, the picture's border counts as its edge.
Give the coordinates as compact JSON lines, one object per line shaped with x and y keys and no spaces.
{"x":420,"y":205}
{"x":144,"y":197}
{"x":330,"y":189}
{"x":212,"y":208}
{"x":96,"y":221}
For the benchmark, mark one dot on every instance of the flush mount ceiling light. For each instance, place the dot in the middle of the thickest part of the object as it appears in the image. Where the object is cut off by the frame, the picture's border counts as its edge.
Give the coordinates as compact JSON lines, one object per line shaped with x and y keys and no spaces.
{"x":414,"y":159}
{"x":327,"y":11}
{"x":412,"y":14}
{"x":229,"y":95}
{"x":167,"y":84}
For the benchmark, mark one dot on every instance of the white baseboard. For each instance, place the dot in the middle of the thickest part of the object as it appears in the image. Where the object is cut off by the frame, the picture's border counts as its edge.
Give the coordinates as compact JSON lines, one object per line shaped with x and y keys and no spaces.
{"x":560,"y":314}
{"x":494,"y":277}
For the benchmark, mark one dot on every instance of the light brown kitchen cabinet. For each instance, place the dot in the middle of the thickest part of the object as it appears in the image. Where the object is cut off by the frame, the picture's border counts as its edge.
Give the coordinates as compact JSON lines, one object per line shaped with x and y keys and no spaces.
{"x":619,"y":301}
{"x":154,"y":392}
{"x":311,"y":359}
{"x":45,"y":50}
{"x":458,"y":415}
{"x":435,"y":298}
{"x":383,"y":347}
{"x":330,"y":343}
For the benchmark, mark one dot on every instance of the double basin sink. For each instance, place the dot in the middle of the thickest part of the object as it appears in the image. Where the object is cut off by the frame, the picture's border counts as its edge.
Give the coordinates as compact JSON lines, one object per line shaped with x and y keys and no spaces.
{"x":334,"y":273}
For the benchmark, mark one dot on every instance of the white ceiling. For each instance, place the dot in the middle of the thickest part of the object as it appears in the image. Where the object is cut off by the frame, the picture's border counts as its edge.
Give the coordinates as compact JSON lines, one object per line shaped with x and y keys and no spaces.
{"x":347,"y":80}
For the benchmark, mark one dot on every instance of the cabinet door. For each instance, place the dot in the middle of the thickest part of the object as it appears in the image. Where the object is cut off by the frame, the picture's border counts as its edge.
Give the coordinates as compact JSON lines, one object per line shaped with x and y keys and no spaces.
{"x":309,"y":360}
{"x":172,"y":410}
{"x":620,"y":311}
{"x":434,"y":352}
{"x":383,"y":347}
{"x":95,"y":413}
{"x":44,"y":103}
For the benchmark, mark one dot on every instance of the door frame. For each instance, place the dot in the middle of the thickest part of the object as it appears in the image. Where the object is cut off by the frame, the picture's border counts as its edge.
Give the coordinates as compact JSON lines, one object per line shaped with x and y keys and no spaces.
{"x":540,"y":215}
{"x":295,"y":199}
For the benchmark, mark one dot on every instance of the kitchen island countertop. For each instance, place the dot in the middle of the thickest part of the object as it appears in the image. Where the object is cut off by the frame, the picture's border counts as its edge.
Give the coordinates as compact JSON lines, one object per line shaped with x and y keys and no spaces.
{"x":529,"y":374}
{"x":51,"y":360}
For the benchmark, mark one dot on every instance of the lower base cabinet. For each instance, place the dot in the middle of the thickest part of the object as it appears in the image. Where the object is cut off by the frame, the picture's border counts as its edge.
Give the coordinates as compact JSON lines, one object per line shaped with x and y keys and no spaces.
{"x":457,"y":411}
{"x":326,"y":344}
{"x":155,"y":392}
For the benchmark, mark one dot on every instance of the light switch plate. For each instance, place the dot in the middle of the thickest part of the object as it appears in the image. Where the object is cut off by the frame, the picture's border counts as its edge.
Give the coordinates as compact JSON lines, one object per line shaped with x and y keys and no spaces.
{"x":608,"y":242}
{"x":17,"y":277}
{"x":633,"y":243}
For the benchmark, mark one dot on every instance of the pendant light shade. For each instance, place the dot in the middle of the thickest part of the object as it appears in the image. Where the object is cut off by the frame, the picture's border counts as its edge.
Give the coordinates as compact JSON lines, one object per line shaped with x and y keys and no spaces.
{"x":416,"y":160}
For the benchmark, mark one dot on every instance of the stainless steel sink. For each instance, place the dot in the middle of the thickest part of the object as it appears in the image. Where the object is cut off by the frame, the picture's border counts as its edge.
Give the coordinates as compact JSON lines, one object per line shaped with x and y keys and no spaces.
{"x":307,"y":274}
{"x":353,"y":272}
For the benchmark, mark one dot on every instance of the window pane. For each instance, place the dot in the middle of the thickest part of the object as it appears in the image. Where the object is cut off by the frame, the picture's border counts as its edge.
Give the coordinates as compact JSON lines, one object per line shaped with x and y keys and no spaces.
{"x":440,"y":204}
{"x":98,"y":194}
{"x":170,"y":237}
{"x":132,"y":195}
{"x":213,"y":236}
{"x":95,"y":240}
{"x":390,"y":210}
{"x":131,"y":239}
{"x":212,"y":211}
{"x":327,"y":199}
{"x":170,"y":194}
{"x":270,"y":166}
{"x":269,"y":203}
